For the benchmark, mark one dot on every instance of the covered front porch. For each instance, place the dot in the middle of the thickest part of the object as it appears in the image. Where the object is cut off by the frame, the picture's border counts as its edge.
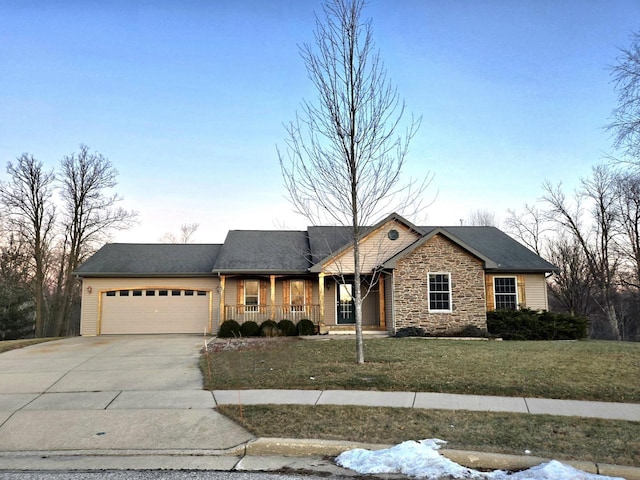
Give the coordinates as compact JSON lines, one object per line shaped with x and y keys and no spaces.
{"x":324,"y":299}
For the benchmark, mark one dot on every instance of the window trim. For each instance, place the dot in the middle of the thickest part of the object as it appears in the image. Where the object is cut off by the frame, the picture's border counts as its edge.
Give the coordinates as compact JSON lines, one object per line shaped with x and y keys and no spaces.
{"x":449,"y":292}
{"x":298,"y":308}
{"x":252,"y":307}
{"x":515,"y":293}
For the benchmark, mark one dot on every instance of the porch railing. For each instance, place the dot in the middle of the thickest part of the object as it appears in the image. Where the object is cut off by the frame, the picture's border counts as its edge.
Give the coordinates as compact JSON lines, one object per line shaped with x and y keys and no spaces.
{"x":260,"y":313}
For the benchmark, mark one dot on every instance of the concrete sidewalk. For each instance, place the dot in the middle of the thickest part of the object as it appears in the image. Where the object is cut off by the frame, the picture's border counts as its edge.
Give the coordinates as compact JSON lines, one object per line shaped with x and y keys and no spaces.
{"x":445,"y":401}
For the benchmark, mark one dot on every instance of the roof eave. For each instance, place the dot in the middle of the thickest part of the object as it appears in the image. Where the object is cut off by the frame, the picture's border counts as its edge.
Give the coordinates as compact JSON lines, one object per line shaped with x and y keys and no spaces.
{"x":257,"y":271}
{"x":139,"y":274}
{"x":500,"y":269}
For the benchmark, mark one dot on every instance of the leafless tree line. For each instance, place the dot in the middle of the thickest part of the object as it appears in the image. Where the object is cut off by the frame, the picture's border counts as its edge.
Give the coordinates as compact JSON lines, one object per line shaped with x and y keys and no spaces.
{"x":593,"y":236}
{"x":52,"y":220}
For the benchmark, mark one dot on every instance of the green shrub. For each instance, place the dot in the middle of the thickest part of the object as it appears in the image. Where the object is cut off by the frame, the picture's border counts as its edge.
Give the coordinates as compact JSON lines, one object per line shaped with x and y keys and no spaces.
{"x":269,"y":328}
{"x":526,"y":324}
{"x":471,"y":331}
{"x":410,"y":332}
{"x":305,"y":327}
{"x":249,"y":329}
{"x":229,"y":329}
{"x":287,"y":328}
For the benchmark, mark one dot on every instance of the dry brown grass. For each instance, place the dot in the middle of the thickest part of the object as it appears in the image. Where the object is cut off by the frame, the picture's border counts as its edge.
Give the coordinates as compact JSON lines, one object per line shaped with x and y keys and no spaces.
{"x":581,"y":370}
{"x":7,"y":345}
{"x":563,"y":438}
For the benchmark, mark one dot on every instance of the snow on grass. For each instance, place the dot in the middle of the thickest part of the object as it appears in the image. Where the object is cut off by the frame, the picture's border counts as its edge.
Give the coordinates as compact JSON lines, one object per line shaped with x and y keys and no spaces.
{"x":422,"y":460}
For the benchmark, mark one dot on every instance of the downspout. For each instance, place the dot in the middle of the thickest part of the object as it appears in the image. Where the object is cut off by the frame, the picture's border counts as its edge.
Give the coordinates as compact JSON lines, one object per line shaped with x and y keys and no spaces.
{"x":221,"y":287}
{"x":393,"y":302}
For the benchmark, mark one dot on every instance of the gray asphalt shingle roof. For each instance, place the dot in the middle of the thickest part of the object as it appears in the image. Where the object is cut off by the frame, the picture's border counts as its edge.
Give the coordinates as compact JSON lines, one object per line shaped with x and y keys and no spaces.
{"x":278,"y":251}
{"x":323,"y":241}
{"x":264,"y":250}
{"x":493,"y":243}
{"x":129,"y":259}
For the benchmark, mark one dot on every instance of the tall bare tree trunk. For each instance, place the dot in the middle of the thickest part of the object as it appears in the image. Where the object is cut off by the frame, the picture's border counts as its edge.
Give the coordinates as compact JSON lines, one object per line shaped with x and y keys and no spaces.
{"x":344,"y":158}
{"x":26,"y":203}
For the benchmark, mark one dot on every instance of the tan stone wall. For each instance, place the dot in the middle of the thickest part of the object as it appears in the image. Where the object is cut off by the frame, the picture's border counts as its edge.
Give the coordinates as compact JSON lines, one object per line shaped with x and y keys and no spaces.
{"x":467,"y":284}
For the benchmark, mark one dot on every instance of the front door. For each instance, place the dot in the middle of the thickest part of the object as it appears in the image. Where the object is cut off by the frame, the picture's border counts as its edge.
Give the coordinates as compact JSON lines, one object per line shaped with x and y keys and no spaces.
{"x":346,"y":308}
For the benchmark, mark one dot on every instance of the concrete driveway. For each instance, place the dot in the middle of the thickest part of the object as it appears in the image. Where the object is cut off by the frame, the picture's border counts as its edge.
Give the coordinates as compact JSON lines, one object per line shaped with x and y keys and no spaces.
{"x":110,"y":393}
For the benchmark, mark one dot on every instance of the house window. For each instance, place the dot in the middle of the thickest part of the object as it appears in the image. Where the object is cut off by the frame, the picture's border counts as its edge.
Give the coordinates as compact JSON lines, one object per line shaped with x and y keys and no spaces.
{"x":251,"y":295}
{"x":175,"y":293}
{"x":150,"y":293}
{"x":505,"y":293}
{"x":163,"y":293}
{"x":188,"y":293}
{"x":111,"y":294}
{"x":124,"y":293}
{"x":440,"y":292}
{"x":297,"y":295}
{"x":201,"y":293}
{"x":137,"y":293}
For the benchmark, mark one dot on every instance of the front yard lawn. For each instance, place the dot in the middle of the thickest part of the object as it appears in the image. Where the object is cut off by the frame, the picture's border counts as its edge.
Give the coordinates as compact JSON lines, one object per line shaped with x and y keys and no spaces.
{"x":562,"y":438}
{"x":7,"y":345}
{"x":580,"y":370}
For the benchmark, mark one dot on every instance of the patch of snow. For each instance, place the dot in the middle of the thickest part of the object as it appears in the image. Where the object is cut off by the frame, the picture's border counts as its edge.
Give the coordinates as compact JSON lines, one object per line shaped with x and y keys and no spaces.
{"x":422,"y":460}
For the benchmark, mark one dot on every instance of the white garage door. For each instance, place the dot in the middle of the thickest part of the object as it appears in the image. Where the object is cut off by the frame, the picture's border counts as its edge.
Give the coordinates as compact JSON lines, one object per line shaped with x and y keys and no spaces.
{"x":154,"y":311}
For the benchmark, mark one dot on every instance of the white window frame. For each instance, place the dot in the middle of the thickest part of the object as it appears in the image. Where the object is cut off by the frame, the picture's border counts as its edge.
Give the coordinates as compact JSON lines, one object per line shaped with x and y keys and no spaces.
{"x":495,"y":294}
{"x":449,"y":292}
{"x":299,"y":308}
{"x":251,"y":308}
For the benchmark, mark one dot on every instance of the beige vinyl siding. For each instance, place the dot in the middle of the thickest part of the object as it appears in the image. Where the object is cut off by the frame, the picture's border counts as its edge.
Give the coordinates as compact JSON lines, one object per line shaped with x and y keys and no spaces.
{"x":125,"y":316}
{"x":535,"y":285}
{"x":532,"y":290}
{"x":375,"y":248}
{"x":330,"y":301}
{"x":371,"y":307}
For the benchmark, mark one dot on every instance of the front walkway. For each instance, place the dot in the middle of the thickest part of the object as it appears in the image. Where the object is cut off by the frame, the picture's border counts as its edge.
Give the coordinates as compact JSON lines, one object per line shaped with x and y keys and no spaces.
{"x":446,"y":401}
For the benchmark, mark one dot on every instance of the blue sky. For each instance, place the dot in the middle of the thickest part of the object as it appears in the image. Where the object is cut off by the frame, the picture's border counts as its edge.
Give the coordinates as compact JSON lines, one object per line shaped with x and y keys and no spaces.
{"x":188,"y":99}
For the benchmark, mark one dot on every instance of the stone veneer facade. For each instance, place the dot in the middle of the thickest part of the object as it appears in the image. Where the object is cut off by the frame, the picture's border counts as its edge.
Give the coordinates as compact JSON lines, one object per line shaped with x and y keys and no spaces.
{"x":439,"y":255}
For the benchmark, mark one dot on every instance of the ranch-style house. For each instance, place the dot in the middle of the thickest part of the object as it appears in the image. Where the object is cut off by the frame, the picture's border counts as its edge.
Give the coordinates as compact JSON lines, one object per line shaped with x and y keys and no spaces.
{"x":443,"y":279}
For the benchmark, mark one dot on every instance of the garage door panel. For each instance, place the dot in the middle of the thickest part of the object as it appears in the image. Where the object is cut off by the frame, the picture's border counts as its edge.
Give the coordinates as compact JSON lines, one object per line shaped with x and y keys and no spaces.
{"x":126,"y":314}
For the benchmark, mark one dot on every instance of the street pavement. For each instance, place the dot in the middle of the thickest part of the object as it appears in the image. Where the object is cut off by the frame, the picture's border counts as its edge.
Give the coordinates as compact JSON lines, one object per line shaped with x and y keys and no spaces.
{"x":137,"y":402}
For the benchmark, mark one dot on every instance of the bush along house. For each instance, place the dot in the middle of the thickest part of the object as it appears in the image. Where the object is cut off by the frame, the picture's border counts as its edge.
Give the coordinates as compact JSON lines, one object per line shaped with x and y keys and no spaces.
{"x":440,"y":279}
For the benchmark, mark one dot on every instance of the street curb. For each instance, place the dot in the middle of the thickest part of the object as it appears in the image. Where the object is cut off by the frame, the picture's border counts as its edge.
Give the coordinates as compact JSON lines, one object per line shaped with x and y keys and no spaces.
{"x":291,"y":447}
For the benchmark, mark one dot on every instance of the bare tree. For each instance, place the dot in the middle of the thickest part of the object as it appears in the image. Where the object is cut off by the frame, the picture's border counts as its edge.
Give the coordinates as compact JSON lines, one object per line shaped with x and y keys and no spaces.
{"x":482,"y":218}
{"x":597,"y":239}
{"x":628,"y":215}
{"x":89,"y":214}
{"x":344,"y":156}
{"x":572,"y":286}
{"x":187,"y":230}
{"x":16,"y":297}
{"x":26,"y":200}
{"x":528,"y":226}
{"x":625,"y":118}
